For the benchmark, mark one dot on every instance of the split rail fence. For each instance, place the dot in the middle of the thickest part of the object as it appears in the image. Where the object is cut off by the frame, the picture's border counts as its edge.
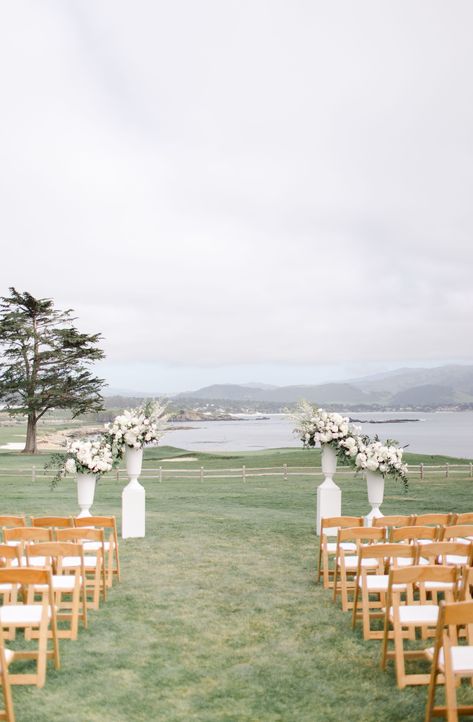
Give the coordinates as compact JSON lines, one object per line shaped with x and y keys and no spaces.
{"x":419,"y":471}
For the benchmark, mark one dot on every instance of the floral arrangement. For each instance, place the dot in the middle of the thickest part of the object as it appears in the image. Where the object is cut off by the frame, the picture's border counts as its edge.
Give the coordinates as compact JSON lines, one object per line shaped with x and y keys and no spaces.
{"x":355,"y":449}
{"x":385,"y":458}
{"x":317,"y":425}
{"x":137,"y":427}
{"x":84,"y":456}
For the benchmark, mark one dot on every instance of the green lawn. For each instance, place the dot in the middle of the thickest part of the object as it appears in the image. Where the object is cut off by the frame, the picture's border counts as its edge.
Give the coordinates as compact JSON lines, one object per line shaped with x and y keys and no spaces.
{"x":218,"y":617}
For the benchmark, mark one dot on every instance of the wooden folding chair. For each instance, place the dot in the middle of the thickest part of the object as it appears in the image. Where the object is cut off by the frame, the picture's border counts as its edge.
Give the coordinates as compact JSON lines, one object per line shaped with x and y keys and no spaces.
{"x":454,"y":554}
{"x":94,"y":562}
{"x":6,"y":656}
{"x":68,"y":589}
{"x":108,"y":524}
{"x":401,"y":619}
{"x":19,"y":536}
{"x":370,"y":585}
{"x":32,"y":616}
{"x":52,"y":522}
{"x":450,"y":661}
{"x":329,"y":529}
{"x":346,"y":562}
{"x":9,"y":557}
{"x":8,"y":520}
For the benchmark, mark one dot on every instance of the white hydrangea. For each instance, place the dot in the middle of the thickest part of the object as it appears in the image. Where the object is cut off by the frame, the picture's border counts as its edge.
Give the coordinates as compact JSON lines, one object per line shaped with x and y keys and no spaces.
{"x":137,"y":427}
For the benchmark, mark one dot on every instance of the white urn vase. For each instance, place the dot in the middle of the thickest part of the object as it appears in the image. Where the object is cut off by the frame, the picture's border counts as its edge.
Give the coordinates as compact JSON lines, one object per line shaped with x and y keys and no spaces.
{"x":329,"y":495}
{"x":375,"y":484}
{"x":85,"y":492}
{"x":133,"y":496}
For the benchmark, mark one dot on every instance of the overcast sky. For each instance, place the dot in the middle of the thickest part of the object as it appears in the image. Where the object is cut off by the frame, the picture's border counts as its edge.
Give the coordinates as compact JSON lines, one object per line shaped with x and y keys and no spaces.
{"x":236,"y":190}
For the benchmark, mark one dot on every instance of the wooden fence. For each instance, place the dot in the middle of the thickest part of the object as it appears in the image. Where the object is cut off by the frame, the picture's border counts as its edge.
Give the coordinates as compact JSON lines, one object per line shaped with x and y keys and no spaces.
{"x":419,"y":471}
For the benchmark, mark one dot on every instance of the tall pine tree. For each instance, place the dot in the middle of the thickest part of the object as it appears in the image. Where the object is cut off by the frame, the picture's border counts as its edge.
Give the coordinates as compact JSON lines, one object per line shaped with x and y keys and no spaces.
{"x":44,"y":361}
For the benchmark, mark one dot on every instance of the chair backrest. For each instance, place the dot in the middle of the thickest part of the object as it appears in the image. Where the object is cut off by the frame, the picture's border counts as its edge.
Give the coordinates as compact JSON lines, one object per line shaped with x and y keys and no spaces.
{"x":394,"y":520}
{"x":105,"y":522}
{"x":330,"y":525}
{"x":422,"y":573}
{"x":366,"y":534}
{"x":458,"y":531}
{"x":26,"y":533}
{"x":441,"y":519}
{"x":52,"y":521}
{"x":10,"y":520}
{"x":78,"y":535}
{"x":389,"y":552}
{"x":54,"y":551}
{"x":465,"y":592}
{"x":437,"y":552}
{"x":457,"y":613}
{"x":9,"y":554}
{"x":25,"y":575}
{"x":413,"y":533}
{"x":465,"y":518}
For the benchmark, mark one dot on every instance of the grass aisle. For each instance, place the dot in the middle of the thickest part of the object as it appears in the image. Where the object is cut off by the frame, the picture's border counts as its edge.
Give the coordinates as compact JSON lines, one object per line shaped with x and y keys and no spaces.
{"x":218,"y":618}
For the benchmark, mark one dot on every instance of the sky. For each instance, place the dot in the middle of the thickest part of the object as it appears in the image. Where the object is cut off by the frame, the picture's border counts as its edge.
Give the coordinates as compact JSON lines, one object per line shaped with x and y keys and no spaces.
{"x":242,"y":190}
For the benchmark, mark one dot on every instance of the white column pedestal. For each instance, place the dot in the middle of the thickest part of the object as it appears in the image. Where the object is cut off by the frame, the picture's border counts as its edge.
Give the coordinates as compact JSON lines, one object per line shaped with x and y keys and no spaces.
{"x":329,"y":501}
{"x":133,"y":510}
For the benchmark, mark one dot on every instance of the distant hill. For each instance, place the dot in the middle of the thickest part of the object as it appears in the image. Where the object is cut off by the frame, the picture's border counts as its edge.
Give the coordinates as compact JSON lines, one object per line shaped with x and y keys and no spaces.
{"x":444,"y":385}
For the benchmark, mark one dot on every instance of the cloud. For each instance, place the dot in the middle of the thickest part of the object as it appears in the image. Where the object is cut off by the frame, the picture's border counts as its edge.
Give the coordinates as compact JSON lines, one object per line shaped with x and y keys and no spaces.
{"x":243,"y":183}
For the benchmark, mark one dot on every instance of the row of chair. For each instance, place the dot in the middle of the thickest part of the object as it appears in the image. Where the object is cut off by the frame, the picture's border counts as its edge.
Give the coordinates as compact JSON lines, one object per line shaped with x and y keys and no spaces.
{"x":51,"y":573}
{"x":394,"y":574}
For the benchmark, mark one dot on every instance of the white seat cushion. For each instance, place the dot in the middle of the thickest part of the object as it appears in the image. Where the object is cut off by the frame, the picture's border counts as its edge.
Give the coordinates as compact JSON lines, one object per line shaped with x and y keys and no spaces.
{"x":19,"y":614}
{"x":379,"y":583}
{"x":95,"y":546}
{"x":352,"y":563}
{"x":89,"y":562}
{"x":417,"y":614}
{"x":60,"y":583}
{"x":462,"y":659}
{"x":456,"y":560}
{"x":332,"y":547}
{"x":438,"y":586}
{"x":6,"y":588}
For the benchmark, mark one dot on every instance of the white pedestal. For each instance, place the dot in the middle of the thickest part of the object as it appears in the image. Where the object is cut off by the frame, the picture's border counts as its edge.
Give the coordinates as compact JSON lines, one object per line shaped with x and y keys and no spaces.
{"x":329,"y":495}
{"x":375,"y":484}
{"x":133,"y":510}
{"x":85,"y":493}
{"x":329,"y":501}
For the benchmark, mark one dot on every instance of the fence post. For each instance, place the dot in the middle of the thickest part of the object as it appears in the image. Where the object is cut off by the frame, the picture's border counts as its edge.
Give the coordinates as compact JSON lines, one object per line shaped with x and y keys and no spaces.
{"x":243,"y":472}
{"x":33,"y":473}
{"x":201,"y":473}
{"x":421,"y":469}
{"x":285,"y":472}
{"x":446,"y":470}
{"x":160,"y":474}
{"x":118,"y":474}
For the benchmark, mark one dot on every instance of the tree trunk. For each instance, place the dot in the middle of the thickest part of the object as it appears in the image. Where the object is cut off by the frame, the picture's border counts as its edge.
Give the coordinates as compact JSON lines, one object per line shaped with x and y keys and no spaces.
{"x":30,"y":446}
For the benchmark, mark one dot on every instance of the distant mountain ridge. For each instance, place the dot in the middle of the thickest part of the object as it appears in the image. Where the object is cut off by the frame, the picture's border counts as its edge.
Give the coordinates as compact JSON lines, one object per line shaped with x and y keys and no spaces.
{"x":444,"y":385}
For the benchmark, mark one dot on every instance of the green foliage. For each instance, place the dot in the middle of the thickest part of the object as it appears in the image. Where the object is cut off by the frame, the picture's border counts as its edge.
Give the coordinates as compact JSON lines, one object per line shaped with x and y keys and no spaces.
{"x":44,"y":361}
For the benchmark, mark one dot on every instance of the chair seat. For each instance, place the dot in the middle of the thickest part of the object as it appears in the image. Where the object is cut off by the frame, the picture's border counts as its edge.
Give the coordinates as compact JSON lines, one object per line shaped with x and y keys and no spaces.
{"x":6,"y":588}
{"x":438,"y":586}
{"x":89,"y":562}
{"x":379,"y":583}
{"x":352,"y":563}
{"x":60,"y":583}
{"x":405,"y":562}
{"x":462,"y":659}
{"x":331,"y":546}
{"x":95,"y":546}
{"x":417,"y":614}
{"x":20,"y":614}
{"x":456,"y":560}
{"x":33,"y":562}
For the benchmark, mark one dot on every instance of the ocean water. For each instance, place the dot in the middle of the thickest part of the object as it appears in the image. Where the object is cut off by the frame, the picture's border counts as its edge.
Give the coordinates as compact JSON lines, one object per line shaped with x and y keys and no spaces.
{"x":443,"y":432}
